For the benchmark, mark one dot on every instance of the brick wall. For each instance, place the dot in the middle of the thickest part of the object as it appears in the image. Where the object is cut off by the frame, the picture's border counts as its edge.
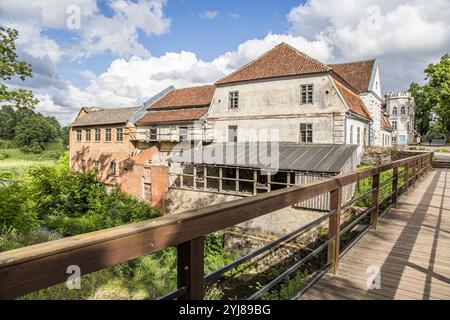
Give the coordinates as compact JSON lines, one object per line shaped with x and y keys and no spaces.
{"x":102,"y":151}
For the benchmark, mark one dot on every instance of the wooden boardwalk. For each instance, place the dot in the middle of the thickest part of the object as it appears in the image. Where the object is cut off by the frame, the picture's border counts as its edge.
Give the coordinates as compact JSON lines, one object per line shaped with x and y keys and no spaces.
{"x":410,"y":248}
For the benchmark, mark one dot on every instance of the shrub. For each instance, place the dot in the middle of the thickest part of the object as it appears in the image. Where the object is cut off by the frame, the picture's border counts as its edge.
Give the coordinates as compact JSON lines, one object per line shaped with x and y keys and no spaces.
{"x":3,"y":156}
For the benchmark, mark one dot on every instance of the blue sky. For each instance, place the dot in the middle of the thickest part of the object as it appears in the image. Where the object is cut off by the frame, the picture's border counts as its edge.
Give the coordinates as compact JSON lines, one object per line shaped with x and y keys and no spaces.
{"x":125,"y":51}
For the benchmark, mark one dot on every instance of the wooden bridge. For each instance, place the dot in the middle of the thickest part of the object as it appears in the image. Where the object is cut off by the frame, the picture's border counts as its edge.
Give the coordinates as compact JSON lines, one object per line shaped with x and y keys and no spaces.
{"x":403,"y":236}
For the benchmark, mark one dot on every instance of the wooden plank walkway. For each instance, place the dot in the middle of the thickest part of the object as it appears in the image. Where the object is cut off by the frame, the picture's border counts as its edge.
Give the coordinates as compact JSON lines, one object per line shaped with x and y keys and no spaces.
{"x":410,"y":248}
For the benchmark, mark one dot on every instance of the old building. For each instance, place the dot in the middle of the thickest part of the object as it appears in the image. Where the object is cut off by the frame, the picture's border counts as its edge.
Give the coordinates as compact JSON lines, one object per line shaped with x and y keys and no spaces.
{"x":99,"y":141}
{"x":318,"y":118}
{"x":401,"y":109}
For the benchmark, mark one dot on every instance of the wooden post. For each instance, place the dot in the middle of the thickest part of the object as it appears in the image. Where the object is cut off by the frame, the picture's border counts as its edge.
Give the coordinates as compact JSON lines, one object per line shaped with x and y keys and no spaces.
{"x":255,"y":181}
{"x":237,"y":180}
{"x":190,"y":268}
{"x":334,"y":230}
{"x":375,"y":199}
{"x":406,"y":178}
{"x":220,"y":179}
{"x":205,"y":175}
{"x":414,"y":173}
{"x":194,"y":180}
{"x":395,"y":186}
{"x":269,"y":178}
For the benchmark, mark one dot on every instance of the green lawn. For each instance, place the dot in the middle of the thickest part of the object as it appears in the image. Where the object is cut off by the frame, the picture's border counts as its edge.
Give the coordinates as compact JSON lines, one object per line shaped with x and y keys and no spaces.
{"x":15,"y":162}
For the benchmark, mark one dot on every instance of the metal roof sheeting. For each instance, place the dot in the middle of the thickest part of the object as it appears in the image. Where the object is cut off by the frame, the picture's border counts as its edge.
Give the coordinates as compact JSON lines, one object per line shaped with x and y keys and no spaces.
{"x":325,"y":158}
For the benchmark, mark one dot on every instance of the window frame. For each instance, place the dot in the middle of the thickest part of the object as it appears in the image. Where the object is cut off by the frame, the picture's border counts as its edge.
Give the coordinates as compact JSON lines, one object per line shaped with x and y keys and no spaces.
{"x":402,"y":110}
{"x":394,"y":125}
{"x":351,"y":134}
{"x":307,"y":93}
{"x":233,"y":99}
{"x":155,"y":134}
{"x":108,"y":134}
{"x":181,"y":135}
{"x":96,"y":166}
{"x":97,"y":135}
{"x":358,"y":135}
{"x":79,"y":135}
{"x":112,"y":168}
{"x":119,"y":134}
{"x":87,"y":135}
{"x":307,"y":132}
{"x":394,"y":111}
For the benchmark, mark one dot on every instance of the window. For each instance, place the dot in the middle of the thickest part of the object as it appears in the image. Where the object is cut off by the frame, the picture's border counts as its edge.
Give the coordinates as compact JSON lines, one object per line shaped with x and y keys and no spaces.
{"x":78,"y":135}
{"x":232,"y":134}
{"x":403,"y":110}
{"x":402,"y":140}
{"x":108,"y":134}
{"x":112,"y":168}
{"x":96,"y":167}
{"x":83,"y":166}
{"x":306,"y":133}
{"x":358,"y":135}
{"x":119,"y":134}
{"x":307,"y":93}
{"x":153,"y":134}
{"x":394,"y":110}
{"x":233,"y":100}
{"x":88,"y":134}
{"x":183,"y":133}
{"x":97,"y":135}
{"x":394,"y":139}
{"x":351,"y":134}
{"x":365,"y":136}
{"x":394,"y":125}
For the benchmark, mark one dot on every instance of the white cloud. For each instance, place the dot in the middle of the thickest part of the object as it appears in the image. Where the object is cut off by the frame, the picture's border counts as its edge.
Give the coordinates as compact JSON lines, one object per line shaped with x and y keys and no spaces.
{"x":210,"y":14}
{"x":404,"y":36}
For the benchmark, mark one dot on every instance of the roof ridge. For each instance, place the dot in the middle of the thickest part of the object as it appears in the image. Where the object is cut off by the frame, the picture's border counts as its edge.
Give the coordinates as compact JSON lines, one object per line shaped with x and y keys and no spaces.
{"x":305,"y":55}
{"x":350,"y":62}
{"x":193,"y":87}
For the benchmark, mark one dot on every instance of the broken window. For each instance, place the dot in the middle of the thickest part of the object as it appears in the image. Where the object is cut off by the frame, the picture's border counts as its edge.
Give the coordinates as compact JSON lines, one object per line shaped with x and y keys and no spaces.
{"x":233,"y":100}
{"x":306,"y":133}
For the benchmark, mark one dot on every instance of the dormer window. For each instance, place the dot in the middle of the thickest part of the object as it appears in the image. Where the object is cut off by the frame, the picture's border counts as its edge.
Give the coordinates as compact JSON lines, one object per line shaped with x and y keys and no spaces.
{"x":233,"y":100}
{"x":307,"y":93}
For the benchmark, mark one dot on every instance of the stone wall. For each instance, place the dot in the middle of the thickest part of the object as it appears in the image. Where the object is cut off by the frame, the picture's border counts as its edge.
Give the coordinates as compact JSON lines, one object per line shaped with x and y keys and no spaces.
{"x":375,"y":156}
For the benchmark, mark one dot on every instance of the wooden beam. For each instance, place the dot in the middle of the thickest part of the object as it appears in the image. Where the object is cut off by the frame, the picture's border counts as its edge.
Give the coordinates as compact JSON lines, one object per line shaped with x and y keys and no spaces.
{"x":237,"y":180}
{"x":334,"y":229}
{"x":205,"y":175}
{"x":375,"y":199}
{"x":190,"y":268}
{"x":194,"y":178}
{"x":255,"y":182}
{"x":406,"y":178}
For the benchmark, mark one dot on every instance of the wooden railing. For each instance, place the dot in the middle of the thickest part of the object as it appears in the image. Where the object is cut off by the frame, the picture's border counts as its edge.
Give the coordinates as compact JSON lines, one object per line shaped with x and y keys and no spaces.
{"x":39,"y":266}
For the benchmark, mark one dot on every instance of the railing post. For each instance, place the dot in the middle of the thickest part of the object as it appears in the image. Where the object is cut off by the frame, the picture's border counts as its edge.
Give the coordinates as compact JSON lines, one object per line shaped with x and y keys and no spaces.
{"x":334,"y":229}
{"x":190,"y":268}
{"x":406,"y":178}
{"x":413,"y":183}
{"x":375,"y":199}
{"x":395,"y":186}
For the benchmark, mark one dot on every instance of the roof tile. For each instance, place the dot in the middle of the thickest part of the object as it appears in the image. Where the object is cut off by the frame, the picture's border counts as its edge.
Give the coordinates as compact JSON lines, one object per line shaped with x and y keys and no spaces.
{"x":357,"y":74}
{"x":173,"y":115}
{"x":186,"y":97}
{"x":353,"y":100}
{"x":101,"y":116}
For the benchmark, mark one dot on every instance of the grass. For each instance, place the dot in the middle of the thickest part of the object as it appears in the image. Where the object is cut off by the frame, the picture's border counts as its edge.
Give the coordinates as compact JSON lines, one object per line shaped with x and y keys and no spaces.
{"x":15,"y":162}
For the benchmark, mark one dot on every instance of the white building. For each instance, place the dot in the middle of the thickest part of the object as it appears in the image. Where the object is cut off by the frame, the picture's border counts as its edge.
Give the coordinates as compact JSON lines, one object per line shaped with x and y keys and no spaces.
{"x":400,"y":107}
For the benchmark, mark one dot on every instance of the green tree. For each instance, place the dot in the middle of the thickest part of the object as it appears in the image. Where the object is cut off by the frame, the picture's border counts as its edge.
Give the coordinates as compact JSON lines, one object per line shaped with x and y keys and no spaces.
{"x":11,"y":67}
{"x":433,"y":99}
{"x":65,"y":131}
{"x":34,"y":131}
{"x":8,"y":121}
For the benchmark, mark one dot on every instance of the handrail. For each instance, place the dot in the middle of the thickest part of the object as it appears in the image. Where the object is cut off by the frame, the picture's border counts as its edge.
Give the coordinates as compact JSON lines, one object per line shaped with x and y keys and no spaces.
{"x":28,"y":269}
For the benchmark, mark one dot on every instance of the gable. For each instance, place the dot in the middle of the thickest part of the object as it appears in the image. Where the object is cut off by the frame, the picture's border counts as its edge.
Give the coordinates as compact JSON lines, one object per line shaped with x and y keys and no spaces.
{"x":358,"y":74}
{"x":352,"y":100}
{"x":283,"y":60}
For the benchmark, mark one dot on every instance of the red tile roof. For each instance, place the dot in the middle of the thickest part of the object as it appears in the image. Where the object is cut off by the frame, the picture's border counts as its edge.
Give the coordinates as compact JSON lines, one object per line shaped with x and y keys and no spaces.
{"x":179,"y":115}
{"x":385,"y":123}
{"x":357,"y":74}
{"x":186,"y":97}
{"x":353,"y":100}
{"x":282,"y":60}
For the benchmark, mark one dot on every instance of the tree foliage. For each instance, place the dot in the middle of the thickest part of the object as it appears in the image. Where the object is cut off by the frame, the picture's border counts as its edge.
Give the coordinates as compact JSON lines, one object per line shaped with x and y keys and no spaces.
{"x":11,"y":67}
{"x":433,"y":99}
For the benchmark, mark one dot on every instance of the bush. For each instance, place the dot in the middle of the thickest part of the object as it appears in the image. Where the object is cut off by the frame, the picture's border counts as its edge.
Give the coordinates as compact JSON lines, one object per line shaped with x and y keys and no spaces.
{"x":3,"y":156}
